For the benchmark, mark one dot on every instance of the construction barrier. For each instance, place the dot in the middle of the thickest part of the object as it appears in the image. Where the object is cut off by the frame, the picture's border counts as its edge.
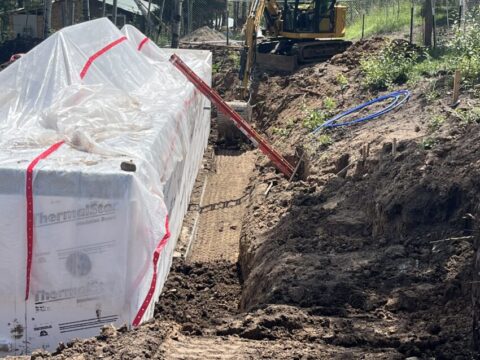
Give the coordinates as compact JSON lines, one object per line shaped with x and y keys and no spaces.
{"x":101,"y":139}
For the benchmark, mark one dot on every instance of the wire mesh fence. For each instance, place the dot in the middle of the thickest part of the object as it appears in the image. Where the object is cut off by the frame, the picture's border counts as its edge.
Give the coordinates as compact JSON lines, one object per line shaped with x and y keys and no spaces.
{"x":365,"y":18}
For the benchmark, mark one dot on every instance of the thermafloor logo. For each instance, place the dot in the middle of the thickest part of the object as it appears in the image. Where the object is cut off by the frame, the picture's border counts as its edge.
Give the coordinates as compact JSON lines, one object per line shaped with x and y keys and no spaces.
{"x":89,"y":211}
{"x":91,"y":289}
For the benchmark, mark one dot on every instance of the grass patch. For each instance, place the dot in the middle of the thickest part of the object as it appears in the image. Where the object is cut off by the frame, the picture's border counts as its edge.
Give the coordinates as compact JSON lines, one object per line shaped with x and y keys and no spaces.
{"x":399,"y":62}
{"x":286,"y":131}
{"x":384,"y":19}
{"x":342,"y":81}
{"x":470,"y":116}
{"x":429,"y":143}
{"x":316,"y":117}
{"x":234,"y":56}
{"x":325,"y":140}
{"x":436,"y":122}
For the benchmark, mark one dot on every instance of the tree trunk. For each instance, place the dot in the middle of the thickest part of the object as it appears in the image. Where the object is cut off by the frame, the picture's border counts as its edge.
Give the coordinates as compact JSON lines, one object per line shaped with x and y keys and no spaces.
{"x":64,"y":13}
{"x":86,"y":10}
{"x":190,"y":16}
{"x":244,"y":14}
{"x":114,"y":12}
{"x":177,"y":23}
{"x":236,"y":14}
{"x":47,"y":18}
{"x":149,"y":23}
{"x":72,"y":13}
{"x":160,"y":26}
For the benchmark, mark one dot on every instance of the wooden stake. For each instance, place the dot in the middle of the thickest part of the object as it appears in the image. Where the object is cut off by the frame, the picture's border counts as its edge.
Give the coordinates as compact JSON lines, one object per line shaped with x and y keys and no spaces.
{"x":456,"y":88}
{"x":394,"y":147}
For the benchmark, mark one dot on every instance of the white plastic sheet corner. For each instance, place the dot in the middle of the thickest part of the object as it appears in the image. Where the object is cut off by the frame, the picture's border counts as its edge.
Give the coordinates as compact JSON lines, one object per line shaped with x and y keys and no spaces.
{"x":103,"y":238}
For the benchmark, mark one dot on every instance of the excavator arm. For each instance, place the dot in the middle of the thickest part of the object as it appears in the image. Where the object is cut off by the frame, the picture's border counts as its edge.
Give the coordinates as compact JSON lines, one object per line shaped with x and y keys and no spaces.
{"x":303,"y":30}
{"x":259,"y":9}
{"x":252,"y":27}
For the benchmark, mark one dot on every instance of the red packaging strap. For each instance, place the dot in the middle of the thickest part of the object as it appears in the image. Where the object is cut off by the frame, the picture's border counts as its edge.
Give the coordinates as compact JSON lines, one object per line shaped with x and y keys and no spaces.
{"x":153,"y":284}
{"x":99,"y":53}
{"x":30,"y":221}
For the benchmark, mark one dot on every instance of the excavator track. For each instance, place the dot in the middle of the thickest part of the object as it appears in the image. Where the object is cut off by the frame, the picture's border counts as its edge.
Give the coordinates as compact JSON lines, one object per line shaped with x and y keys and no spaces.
{"x":287,"y":55}
{"x":315,"y":51}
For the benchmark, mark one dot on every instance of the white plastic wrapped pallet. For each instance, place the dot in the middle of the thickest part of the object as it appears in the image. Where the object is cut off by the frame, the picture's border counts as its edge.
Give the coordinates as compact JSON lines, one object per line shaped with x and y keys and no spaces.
{"x":72,"y":110}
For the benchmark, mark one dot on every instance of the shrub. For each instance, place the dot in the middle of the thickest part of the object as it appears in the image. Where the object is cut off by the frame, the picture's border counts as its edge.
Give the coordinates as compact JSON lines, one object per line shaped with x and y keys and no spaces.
{"x":317,"y":117}
{"x":393,"y":65}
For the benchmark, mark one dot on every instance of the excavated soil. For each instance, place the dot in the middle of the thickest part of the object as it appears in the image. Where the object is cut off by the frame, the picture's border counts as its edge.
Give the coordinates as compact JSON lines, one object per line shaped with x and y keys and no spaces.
{"x":368,"y":235}
{"x":369,"y":257}
{"x":204,"y":34}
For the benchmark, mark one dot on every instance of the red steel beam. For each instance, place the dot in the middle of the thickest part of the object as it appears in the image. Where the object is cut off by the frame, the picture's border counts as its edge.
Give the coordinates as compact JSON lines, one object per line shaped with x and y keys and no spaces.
{"x":278,"y":160}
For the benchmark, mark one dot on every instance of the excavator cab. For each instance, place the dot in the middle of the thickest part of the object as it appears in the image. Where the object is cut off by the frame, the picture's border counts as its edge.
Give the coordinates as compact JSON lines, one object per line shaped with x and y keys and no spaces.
{"x":313,"y":19}
{"x":309,"y":16}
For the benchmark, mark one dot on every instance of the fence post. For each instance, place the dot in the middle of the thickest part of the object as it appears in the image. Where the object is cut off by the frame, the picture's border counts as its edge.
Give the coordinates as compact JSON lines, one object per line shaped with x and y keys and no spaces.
{"x":434,"y":25}
{"x":428,"y":23}
{"x":446,"y":9}
{"x":456,"y":87}
{"x":363,"y":25}
{"x":412,"y":15}
{"x":460,"y":13}
{"x":226,"y":17}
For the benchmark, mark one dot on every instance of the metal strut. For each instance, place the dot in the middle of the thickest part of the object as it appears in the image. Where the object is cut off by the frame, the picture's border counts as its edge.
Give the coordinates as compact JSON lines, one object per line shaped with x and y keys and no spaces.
{"x":279,"y":161}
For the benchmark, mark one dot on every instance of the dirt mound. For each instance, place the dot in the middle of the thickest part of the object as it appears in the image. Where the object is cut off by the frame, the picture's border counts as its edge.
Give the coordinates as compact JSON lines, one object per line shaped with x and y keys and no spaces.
{"x":354,"y":53}
{"x":204,"y":34}
{"x":369,"y":241}
{"x":211,"y":290}
{"x":141,"y":343}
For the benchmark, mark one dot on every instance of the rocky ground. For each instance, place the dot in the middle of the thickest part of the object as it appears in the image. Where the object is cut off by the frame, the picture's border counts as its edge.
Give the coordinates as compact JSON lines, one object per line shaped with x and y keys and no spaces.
{"x":370,"y":256}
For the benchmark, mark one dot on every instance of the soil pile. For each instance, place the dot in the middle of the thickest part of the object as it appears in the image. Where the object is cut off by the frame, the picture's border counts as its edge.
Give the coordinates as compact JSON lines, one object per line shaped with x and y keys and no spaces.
{"x":204,"y":35}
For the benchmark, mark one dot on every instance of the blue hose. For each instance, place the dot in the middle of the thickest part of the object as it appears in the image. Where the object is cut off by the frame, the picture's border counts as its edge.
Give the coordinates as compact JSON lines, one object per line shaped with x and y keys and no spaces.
{"x":400,"y":97}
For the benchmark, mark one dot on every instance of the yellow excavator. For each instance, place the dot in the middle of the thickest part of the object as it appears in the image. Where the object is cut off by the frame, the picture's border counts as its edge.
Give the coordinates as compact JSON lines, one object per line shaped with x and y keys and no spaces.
{"x":298,"y":32}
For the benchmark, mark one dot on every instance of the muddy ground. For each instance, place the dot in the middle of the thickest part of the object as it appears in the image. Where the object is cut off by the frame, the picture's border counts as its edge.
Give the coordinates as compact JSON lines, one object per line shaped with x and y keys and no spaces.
{"x":369,"y":257}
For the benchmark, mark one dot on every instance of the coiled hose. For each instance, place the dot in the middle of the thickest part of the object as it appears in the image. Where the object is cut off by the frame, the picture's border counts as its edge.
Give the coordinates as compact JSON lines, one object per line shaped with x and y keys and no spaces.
{"x":400,"y":97}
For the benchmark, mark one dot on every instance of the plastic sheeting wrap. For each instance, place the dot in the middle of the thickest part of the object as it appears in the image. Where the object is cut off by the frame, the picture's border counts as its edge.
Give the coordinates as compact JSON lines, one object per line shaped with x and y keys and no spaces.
{"x":84,"y":243}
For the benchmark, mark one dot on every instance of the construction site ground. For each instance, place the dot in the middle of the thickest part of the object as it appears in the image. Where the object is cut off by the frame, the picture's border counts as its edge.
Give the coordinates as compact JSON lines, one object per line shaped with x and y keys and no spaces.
{"x":369,"y":257}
